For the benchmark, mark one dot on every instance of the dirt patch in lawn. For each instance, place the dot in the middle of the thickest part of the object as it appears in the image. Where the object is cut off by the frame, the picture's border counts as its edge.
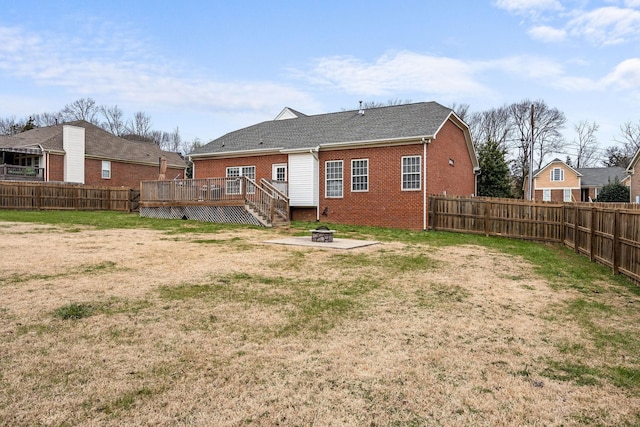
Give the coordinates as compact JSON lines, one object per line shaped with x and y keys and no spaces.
{"x":142,"y":327}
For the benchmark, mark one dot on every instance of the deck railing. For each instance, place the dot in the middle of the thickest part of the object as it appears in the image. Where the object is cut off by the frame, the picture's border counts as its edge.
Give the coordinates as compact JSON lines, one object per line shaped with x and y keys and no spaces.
{"x":267,"y":202}
{"x":21,"y":173}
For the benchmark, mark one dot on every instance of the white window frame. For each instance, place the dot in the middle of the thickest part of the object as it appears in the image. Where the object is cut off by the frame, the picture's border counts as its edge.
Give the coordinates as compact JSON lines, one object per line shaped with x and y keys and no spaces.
{"x":546,"y":195}
{"x":333,"y":174}
{"x":234,"y":187}
{"x":106,"y":169}
{"x":359,"y":175}
{"x":560,"y":173}
{"x":412,"y":176}
{"x":566,"y":194}
{"x":278,"y":171}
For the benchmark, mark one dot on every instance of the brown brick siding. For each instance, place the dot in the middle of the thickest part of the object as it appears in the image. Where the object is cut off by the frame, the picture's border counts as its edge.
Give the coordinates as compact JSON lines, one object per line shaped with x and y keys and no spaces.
{"x":124,"y":174}
{"x":385,"y":204}
{"x":217,"y":168}
{"x":557,"y":195}
{"x":56,"y":168}
{"x":635,"y":185}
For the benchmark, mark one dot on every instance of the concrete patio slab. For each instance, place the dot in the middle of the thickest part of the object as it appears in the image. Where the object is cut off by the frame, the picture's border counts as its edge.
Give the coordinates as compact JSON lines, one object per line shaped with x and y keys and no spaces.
{"x":336,"y":244}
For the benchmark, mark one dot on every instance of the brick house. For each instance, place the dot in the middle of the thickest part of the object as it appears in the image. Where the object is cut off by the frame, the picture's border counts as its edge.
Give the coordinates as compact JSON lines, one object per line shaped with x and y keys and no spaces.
{"x":559,"y":182}
{"x":82,"y":153}
{"x":367,"y":167}
{"x":634,"y":178}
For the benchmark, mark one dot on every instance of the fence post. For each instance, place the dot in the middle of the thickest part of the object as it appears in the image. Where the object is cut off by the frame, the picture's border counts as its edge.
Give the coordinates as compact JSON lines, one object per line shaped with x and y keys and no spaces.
{"x":487,"y":212}
{"x":434,"y":203}
{"x":562,"y":231}
{"x":592,"y":235}
{"x":616,"y":240}
{"x":576,"y":230}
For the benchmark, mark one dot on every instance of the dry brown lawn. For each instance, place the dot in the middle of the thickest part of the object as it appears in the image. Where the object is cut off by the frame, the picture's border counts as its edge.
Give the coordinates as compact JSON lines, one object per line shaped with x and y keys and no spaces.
{"x":226,"y":330}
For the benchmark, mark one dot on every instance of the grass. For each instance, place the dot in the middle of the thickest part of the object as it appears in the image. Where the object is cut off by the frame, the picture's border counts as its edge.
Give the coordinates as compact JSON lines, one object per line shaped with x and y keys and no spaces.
{"x":496,"y":331}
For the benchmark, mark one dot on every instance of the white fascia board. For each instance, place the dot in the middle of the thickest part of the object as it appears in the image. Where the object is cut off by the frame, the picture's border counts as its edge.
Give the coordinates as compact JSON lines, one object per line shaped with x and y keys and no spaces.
{"x":238,"y":153}
{"x":375,"y":142}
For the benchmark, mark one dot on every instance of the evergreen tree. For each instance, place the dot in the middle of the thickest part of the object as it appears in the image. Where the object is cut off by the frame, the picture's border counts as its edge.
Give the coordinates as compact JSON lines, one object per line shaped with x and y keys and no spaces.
{"x":614,"y":192}
{"x":494,"y":179}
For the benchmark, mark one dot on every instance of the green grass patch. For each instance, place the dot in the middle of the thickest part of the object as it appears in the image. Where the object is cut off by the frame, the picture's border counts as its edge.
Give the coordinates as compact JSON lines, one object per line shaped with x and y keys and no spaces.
{"x":397,"y":263}
{"x":440,"y":295}
{"x":574,"y":372}
{"x":74,"y":311}
{"x":309,"y":305}
{"x":84,"y":269}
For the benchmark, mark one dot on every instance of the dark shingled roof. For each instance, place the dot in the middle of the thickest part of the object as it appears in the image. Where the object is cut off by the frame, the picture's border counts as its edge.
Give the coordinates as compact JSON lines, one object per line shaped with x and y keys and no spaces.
{"x":98,"y":143}
{"x":598,"y":177}
{"x":376,"y":124}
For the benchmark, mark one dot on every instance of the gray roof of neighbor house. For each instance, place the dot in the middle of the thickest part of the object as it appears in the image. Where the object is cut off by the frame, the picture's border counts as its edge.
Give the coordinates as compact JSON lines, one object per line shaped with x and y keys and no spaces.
{"x":422,"y":119}
{"x":98,"y":143}
{"x":598,"y":177}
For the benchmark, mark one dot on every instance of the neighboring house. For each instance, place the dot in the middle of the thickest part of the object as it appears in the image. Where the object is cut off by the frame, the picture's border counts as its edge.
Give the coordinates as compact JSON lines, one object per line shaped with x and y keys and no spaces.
{"x":80,"y":152}
{"x":559,"y":182}
{"x":368,"y":167}
{"x":634,"y":178}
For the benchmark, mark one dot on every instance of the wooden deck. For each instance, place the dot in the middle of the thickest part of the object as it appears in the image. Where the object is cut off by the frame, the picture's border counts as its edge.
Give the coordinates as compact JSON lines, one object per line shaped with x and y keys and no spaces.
{"x":237,"y":199}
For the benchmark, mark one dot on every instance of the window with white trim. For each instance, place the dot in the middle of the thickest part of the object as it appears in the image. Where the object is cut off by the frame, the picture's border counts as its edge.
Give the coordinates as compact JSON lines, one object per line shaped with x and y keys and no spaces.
{"x":106,"y":169}
{"x":279,"y":172}
{"x":567,"y":195}
{"x":546,"y":195}
{"x":333,"y":178}
{"x":235,"y":186}
{"x":360,"y":175}
{"x":411,"y":173}
{"x":557,"y":174}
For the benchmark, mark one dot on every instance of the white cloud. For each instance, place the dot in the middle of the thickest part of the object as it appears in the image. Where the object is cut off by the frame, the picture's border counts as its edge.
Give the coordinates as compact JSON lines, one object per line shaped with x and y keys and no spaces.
{"x":547,"y":34}
{"x":606,"y":25}
{"x":528,"y":5}
{"x":625,"y":76}
{"x":117,"y":65}
{"x":398,"y":72}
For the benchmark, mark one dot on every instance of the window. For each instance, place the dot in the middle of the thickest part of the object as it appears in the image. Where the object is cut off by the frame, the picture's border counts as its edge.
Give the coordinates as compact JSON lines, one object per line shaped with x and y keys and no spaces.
{"x":235,"y":186}
{"x":279,"y":173}
{"x":567,"y":195}
{"x":546,"y":195}
{"x":333,"y":178}
{"x":557,"y":174}
{"x":411,"y":173}
{"x":106,"y":169}
{"x":360,"y":175}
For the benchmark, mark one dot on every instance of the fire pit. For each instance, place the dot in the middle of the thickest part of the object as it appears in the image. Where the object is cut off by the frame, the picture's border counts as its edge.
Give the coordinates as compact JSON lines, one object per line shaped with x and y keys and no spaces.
{"x":322,"y":234}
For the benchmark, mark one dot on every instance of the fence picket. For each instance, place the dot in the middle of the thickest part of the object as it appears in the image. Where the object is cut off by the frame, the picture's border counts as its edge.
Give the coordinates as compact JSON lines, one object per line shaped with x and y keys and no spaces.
{"x":606,"y":233}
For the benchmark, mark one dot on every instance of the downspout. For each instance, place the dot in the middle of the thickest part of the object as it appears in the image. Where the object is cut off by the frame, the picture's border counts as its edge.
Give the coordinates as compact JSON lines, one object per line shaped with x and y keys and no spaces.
{"x":314,"y":153}
{"x":425,"y":141}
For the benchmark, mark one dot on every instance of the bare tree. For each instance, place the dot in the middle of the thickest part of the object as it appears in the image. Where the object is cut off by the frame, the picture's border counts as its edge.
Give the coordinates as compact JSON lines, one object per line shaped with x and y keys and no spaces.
{"x":174,"y":142}
{"x":11,"y":126}
{"x":81,"y":109}
{"x":547,"y":123}
{"x":140,"y":125}
{"x":389,"y":103}
{"x":113,"y":117}
{"x":462,"y":111}
{"x":491,"y":125}
{"x":585,"y":144}
{"x":48,"y":119}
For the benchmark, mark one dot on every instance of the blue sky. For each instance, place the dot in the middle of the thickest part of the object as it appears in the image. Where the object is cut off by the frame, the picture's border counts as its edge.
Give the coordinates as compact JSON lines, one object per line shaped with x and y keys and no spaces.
{"x":210,"y":67}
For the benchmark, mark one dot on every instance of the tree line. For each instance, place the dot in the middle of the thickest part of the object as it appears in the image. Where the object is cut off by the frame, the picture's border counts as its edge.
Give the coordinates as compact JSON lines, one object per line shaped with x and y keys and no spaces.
{"x":110,"y":118}
{"x":502,"y":138}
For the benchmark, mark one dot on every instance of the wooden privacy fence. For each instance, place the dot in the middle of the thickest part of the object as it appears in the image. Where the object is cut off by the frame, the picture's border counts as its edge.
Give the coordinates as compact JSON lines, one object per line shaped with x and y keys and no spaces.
{"x":59,"y":196}
{"x":608,"y":233}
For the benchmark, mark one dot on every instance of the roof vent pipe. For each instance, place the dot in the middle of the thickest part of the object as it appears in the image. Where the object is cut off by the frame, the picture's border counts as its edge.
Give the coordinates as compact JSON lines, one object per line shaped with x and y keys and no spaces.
{"x":361,"y":110}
